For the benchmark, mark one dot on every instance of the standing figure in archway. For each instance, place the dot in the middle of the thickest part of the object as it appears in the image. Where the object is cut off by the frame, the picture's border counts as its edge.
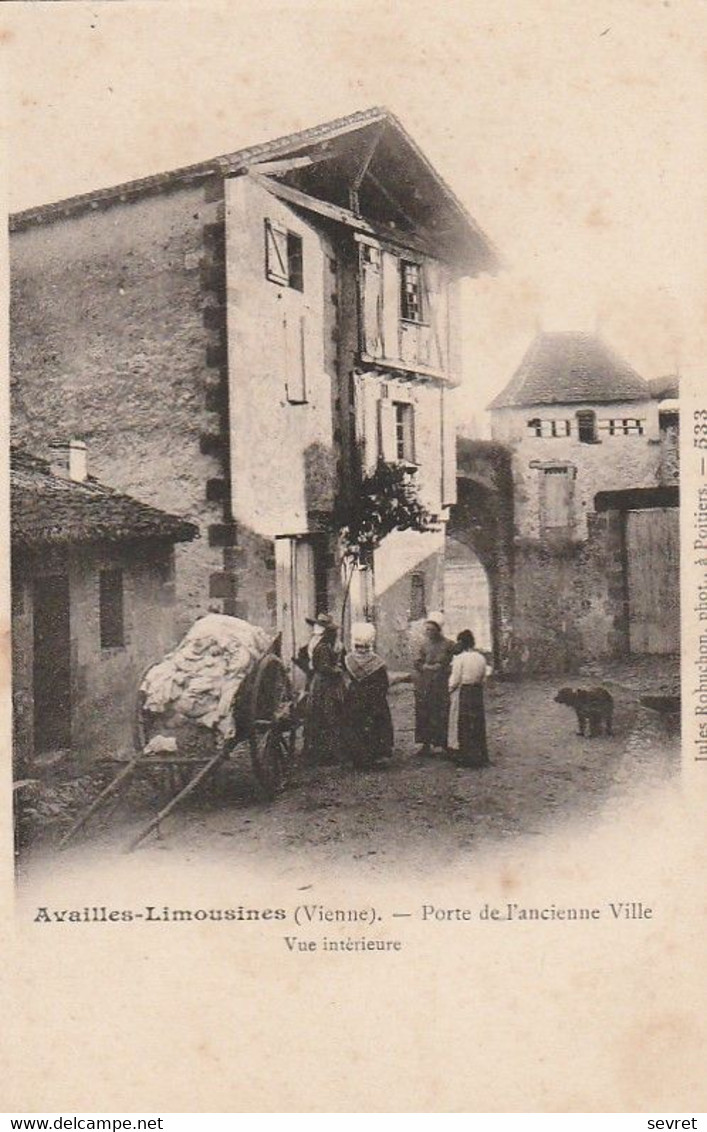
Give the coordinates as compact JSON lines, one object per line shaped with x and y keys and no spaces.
{"x":431,"y":687}
{"x":467,"y":719}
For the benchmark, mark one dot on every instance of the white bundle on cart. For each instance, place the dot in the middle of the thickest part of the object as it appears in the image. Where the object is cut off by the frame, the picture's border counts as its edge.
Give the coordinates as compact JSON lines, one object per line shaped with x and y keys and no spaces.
{"x":200,"y":678}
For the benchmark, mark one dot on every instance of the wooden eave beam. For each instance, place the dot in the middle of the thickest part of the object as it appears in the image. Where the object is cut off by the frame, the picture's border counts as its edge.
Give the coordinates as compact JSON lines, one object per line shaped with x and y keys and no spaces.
{"x":364,"y":167}
{"x":392,"y":201}
{"x":340,"y":215}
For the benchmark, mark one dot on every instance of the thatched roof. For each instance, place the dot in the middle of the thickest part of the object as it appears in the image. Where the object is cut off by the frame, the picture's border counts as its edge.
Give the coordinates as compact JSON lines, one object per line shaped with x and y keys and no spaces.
{"x":48,"y":510}
{"x":571,"y":368}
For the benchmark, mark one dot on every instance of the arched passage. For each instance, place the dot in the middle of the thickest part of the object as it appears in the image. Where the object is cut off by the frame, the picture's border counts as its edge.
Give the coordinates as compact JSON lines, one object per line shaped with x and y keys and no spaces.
{"x":479,"y":549}
{"x":467,"y":594}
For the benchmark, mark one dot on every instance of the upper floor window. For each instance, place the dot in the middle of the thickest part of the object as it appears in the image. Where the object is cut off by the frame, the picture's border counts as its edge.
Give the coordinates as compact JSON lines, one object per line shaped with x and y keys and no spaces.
{"x":404,"y":309}
{"x":411,"y":308}
{"x":284,"y":262}
{"x":404,"y":432}
{"x":587,"y":426}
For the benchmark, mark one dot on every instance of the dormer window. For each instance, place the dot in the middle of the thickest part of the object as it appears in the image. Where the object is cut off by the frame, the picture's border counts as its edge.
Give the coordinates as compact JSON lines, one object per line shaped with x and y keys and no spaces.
{"x":587,"y":427}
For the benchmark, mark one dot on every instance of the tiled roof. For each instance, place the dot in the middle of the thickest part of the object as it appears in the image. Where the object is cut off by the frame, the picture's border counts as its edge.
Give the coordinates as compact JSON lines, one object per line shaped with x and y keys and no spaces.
{"x":567,"y":368}
{"x":484,"y":256}
{"x":227,"y":163}
{"x":46,"y":509}
{"x":239,"y":161}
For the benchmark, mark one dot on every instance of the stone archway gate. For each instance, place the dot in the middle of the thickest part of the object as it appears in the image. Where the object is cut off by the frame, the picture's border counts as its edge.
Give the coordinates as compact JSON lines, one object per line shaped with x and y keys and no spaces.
{"x":482,"y":519}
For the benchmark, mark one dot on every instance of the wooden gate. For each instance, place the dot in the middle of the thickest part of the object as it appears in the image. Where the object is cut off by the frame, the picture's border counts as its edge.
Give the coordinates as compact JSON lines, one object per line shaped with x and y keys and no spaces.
{"x":653,"y":566}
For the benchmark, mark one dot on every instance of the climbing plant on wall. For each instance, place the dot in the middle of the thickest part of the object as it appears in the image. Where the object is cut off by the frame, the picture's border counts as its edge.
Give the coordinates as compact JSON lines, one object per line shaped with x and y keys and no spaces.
{"x":387,"y":500}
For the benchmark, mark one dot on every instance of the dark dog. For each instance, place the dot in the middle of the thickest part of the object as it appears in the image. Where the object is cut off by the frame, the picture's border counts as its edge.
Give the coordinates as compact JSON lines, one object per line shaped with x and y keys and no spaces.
{"x":594,"y":707}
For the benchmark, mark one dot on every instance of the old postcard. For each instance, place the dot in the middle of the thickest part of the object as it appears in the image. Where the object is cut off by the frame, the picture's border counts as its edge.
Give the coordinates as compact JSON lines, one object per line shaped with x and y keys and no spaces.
{"x":356,"y":557}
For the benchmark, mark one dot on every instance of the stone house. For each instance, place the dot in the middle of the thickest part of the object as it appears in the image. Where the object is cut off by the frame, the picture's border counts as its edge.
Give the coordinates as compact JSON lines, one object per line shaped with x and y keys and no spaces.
{"x":595,"y":504}
{"x":93,"y":603}
{"x":241,"y":340}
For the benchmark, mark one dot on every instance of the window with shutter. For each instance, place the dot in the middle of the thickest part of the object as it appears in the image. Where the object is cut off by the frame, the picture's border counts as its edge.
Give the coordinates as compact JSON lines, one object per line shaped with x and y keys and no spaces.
{"x":404,"y":432}
{"x":404,"y":308}
{"x":276,"y":267}
{"x":284,"y":263}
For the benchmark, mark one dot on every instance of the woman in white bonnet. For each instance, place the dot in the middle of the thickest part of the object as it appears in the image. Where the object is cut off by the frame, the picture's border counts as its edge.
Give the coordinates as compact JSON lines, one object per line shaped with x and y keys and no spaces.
{"x":369,"y":726}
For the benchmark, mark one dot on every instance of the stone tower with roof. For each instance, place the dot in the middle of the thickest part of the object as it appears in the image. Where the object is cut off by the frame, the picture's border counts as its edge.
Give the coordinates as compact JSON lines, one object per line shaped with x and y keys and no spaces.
{"x":595,"y":516}
{"x":579,"y":420}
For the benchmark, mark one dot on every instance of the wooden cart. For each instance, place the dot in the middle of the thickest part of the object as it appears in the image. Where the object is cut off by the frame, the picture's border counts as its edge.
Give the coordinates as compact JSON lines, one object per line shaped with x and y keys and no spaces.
{"x":266,"y":716}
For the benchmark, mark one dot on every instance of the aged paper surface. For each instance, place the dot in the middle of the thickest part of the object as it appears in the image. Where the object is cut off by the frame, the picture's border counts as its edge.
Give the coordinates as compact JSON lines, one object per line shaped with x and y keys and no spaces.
{"x":574,"y":135}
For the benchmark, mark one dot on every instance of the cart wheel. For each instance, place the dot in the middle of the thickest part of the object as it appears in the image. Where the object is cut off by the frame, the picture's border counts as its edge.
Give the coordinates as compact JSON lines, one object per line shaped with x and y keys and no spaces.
{"x":269,"y":743}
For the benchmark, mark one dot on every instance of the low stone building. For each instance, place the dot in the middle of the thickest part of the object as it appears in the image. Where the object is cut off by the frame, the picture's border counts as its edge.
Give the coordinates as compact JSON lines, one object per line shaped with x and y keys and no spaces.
{"x":93,"y":603}
{"x":595,"y":505}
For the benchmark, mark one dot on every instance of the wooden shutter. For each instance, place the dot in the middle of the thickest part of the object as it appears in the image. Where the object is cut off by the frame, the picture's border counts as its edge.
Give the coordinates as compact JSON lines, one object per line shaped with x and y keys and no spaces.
{"x":449,"y":449}
{"x":386,"y":424}
{"x":371,"y":300}
{"x":276,"y":264}
{"x":454,"y":335}
{"x":409,"y":424}
{"x":391,"y":306}
{"x":435,"y":311}
{"x":295,"y":370}
{"x":557,"y":499}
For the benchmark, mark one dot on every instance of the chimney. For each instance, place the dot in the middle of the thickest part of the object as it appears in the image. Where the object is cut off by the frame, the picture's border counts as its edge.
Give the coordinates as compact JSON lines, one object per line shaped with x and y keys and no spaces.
{"x":68,"y":460}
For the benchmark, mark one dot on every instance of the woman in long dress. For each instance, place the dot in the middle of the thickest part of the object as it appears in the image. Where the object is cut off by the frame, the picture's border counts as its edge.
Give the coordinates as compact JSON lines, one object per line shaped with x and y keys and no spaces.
{"x":431,"y":686}
{"x":320,"y":659}
{"x":369,"y":724}
{"x":467,"y":720}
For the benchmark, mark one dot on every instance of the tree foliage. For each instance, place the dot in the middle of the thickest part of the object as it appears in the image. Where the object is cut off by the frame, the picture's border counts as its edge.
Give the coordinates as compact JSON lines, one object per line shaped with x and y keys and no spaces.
{"x":387,"y":500}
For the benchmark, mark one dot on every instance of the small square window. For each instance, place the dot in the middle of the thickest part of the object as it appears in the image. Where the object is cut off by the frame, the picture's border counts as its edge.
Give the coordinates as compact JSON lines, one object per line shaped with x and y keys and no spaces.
{"x":111,"y":614}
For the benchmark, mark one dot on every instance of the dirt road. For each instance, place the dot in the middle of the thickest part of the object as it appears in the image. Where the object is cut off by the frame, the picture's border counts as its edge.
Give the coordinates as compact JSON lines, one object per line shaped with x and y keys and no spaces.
{"x":428,"y":810}
{"x":542,"y":772}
